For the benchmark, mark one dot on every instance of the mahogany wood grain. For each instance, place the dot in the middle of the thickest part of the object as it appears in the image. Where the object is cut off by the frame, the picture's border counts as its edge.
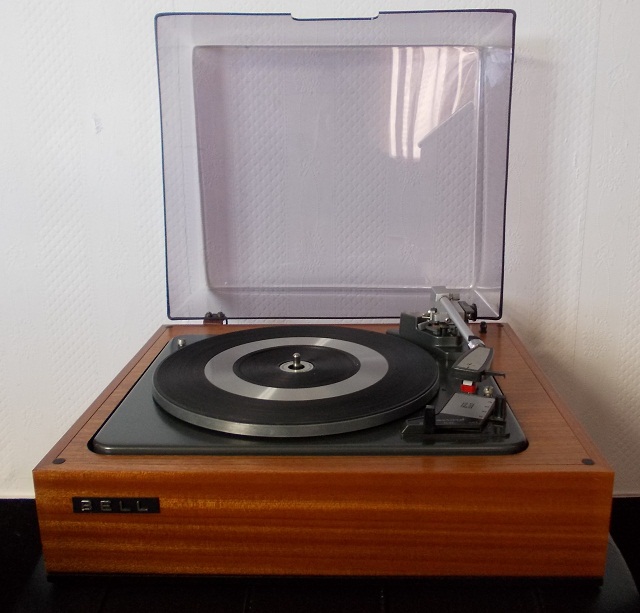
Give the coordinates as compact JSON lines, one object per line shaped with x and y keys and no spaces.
{"x":542,"y":512}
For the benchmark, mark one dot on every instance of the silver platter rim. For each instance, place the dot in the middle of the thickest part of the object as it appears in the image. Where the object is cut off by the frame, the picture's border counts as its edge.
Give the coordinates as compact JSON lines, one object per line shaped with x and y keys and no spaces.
{"x":311,"y":429}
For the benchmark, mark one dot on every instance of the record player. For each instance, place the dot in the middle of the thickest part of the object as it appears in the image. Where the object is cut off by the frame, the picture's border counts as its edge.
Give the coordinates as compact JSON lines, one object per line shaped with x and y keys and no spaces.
{"x":334,"y":200}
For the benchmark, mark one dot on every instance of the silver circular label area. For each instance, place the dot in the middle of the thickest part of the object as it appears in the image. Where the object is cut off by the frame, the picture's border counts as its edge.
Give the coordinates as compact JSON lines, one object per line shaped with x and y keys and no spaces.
{"x":219,"y":370}
{"x":290,"y":367}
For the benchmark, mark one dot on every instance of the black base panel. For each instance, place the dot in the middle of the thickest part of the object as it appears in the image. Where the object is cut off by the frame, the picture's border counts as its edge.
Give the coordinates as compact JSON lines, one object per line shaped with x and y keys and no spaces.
{"x":615,"y":594}
{"x":138,"y":426}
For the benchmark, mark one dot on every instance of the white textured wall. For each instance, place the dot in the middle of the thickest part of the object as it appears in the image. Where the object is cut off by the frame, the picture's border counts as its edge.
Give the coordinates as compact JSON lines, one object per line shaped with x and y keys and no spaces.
{"x":81,"y":236}
{"x":573,"y":257}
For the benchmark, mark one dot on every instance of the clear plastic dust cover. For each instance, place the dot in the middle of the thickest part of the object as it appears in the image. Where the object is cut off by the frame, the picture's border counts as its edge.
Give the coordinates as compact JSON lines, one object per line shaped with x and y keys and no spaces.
{"x":334,"y":168}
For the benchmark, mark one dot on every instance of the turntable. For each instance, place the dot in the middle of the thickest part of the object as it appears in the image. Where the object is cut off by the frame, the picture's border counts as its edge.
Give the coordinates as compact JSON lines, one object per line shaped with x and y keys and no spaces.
{"x":351,"y":174}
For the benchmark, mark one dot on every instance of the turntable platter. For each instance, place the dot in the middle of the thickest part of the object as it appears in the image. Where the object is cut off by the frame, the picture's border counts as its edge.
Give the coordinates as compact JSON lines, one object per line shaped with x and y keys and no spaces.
{"x":295,"y":381}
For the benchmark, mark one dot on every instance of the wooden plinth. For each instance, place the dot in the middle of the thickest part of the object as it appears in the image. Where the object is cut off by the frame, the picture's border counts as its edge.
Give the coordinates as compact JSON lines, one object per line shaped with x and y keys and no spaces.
{"x":542,"y":512}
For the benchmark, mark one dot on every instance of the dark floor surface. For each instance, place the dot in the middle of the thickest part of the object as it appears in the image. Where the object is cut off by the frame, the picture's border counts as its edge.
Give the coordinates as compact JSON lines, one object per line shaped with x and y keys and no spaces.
{"x":26,"y":588}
